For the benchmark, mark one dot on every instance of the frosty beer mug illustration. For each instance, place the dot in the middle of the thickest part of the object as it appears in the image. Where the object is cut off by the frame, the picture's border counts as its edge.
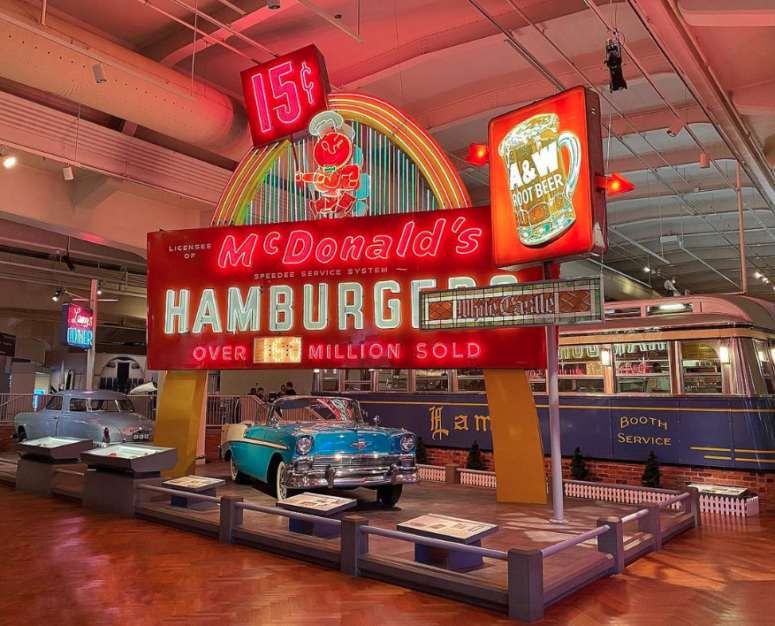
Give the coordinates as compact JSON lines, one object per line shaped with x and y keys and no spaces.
{"x":540,"y":185}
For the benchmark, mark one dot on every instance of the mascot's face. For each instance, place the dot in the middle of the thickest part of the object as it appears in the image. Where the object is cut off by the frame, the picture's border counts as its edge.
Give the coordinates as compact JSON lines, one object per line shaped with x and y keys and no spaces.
{"x":333,"y":150}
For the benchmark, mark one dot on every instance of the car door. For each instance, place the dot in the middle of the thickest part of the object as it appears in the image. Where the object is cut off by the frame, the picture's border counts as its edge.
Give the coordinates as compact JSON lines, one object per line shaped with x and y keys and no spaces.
{"x":44,"y":423}
{"x":77,"y":422}
{"x":252,"y":454}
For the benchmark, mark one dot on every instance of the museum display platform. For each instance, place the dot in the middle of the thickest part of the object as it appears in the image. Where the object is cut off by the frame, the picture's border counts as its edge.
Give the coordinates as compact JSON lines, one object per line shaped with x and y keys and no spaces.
{"x":528,"y":563}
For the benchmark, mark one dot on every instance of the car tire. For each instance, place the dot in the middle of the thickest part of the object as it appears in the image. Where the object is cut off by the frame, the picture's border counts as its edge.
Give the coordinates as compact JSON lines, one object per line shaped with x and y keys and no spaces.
{"x":280,"y":492}
{"x":237,"y":476}
{"x":22,"y":435}
{"x":389,"y":495}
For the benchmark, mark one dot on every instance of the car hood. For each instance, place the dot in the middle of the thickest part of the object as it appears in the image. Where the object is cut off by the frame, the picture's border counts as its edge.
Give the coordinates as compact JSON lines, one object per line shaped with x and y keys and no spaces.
{"x":348,"y":438}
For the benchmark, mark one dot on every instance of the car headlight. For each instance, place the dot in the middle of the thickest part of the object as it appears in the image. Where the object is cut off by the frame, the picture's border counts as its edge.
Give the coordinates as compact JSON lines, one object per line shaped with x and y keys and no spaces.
{"x":304,"y":444}
{"x":407,"y":443}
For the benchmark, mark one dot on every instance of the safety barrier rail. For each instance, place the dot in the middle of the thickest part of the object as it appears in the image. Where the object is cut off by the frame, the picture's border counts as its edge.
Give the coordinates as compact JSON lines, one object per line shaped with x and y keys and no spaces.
{"x":574,"y":541}
{"x":66,"y":472}
{"x":11,"y":404}
{"x":177,"y":492}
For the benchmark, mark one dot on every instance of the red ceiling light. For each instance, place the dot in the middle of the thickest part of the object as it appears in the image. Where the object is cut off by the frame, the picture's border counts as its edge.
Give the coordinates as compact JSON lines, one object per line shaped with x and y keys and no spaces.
{"x":478,"y":154}
{"x":614,"y":184}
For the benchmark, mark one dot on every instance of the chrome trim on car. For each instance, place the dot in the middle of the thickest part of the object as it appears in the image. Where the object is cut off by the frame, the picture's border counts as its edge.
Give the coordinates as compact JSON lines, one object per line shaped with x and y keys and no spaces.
{"x":351,"y":471}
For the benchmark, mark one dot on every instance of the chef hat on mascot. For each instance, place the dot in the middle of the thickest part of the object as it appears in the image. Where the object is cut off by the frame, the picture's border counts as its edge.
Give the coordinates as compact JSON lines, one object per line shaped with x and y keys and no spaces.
{"x":329,"y":122}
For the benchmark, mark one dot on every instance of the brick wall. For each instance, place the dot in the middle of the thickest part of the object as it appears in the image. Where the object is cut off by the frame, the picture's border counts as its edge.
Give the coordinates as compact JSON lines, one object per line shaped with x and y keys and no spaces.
{"x":761,"y":484}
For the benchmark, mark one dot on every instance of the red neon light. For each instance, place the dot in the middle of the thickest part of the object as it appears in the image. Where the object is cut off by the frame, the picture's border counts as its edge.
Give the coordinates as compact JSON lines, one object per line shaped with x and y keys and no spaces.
{"x":478,"y":155}
{"x":283,"y":95}
{"x":614,"y":184}
{"x":292,"y":276}
{"x":80,"y":317}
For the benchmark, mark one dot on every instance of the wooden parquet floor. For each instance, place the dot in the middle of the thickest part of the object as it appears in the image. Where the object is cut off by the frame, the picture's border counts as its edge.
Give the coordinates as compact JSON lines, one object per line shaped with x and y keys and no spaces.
{"x":63,"y":565}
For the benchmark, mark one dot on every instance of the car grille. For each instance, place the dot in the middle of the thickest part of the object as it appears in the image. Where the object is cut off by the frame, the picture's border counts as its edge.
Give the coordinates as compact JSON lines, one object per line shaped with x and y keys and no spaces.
{"x":355,"y":460}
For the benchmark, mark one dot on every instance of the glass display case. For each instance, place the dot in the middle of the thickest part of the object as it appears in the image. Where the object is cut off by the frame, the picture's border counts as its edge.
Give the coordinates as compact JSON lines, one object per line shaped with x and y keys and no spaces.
{"x":54,"y":448}
{"x":126,"y":457}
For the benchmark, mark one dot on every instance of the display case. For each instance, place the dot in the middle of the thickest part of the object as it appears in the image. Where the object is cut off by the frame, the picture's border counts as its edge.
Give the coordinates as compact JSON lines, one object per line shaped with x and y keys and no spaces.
{"x":131,"y":458}
{"x":54,"y":448}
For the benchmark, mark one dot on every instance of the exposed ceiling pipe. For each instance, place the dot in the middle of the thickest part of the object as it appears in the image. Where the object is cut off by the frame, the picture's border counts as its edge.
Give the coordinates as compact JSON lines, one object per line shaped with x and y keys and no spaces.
{"x":199,"y":31}
{"x":58,"y":58}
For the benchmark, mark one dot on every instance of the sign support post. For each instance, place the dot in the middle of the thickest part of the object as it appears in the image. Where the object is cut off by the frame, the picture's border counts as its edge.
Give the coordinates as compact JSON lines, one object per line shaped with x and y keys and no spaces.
{"x":90,"y":353}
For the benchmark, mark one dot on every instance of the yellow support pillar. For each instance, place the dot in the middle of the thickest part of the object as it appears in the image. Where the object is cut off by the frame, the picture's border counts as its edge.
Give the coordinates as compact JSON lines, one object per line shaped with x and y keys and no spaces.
{"x":516,"y":438}
{"x":177,"y":418}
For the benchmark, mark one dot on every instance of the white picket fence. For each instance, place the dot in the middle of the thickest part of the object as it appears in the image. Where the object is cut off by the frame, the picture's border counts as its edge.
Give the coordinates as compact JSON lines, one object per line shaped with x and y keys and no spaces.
{"x":431,"y":473}
{"x":623,"y":494}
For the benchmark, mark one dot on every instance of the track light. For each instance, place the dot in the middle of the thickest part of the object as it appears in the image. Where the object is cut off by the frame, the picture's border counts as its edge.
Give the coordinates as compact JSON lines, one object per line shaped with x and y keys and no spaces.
{"x":68,"y":261}
{"x":613,"y":60}
{"x":647,"y":269}
{"x":99,"y":288}
{"x":675,"y":127}
{"x":67,"y":172}
{"x":704,"y":160}
{"x":58,"y":294}
{"x":99,"y":73}
{"x":757,"y":274}
{"x":273,"y":5}
{"x":9,"y":160}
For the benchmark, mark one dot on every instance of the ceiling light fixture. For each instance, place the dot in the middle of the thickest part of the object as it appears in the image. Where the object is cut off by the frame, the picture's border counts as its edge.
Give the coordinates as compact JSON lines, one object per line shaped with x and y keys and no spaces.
{"x":647,"y":269}
{"x":9,"y":160}
{"x":99,"y":287}
{"x":478,"y":154}
{"x":704,"y":160}
{"x":67,"y":172}
{"x":613,"y":60}
{"x":757,"y":274}
{"x":675,"y":127}
{"x":58,"y":294}
{"x":273,"y":5}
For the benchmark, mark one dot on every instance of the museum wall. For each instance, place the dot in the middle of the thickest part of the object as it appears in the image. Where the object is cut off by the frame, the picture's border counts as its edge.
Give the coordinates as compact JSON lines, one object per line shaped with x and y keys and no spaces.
{"x":239,"y":382}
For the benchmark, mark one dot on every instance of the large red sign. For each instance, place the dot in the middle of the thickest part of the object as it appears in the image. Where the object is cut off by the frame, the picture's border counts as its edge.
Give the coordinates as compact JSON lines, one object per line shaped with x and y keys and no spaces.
{"x":326,"y":294}
{"x":543,"y":161}
{"x":283,"y":95}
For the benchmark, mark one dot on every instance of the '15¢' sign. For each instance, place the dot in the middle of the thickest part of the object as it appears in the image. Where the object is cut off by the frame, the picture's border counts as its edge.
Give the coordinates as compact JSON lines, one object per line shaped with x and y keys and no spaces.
{"x":573,"y":301}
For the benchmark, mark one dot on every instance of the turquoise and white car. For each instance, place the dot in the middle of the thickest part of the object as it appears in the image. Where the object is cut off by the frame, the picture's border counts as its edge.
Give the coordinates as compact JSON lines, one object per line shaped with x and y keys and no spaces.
{"x":312,"y":442}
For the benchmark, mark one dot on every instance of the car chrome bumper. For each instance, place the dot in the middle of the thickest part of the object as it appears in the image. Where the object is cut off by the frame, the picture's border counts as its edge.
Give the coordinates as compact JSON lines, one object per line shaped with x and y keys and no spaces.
{"x":303,"y":475}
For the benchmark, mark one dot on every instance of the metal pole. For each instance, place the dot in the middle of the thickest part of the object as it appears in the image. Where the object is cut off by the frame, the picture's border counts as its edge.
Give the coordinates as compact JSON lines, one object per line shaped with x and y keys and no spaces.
{"x":552,"y":367}
{"x":93,"y":349}
{"x":743,"y":270}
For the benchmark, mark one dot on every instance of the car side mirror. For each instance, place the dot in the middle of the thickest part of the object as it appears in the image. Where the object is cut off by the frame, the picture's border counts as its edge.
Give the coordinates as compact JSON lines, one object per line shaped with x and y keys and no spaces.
{"x":377,"y":420}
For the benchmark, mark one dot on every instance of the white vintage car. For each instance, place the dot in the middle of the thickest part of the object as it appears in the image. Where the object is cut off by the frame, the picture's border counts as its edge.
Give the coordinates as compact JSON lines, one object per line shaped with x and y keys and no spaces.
{"x":102,"y":416}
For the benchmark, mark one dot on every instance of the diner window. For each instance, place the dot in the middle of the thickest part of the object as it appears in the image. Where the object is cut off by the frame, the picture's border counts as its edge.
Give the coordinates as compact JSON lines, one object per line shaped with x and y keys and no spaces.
{"x":642,"y":367}
{"x":701,"y":367}
{"x":330,"y":380}
{"x":537,"y":380}
{"x":393,"y":380}
{"x":432,"y":380}
{"x":470,"y":380}
{"x":55,"y":404}
{"x":357,"y":380}
{"x":581,"y":370}
{"x":765,"y":360}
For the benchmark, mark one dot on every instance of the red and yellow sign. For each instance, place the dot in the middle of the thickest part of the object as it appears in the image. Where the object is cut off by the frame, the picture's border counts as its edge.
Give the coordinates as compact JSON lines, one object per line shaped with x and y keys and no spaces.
{"x":327,"y":294}
{"x":283,"y":95}
{"x":543,"y":161}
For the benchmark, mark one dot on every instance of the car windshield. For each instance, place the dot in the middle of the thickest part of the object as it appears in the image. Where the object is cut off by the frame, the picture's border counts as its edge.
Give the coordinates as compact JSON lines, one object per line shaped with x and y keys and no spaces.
{"x":317,"y":410}
{"x":114,"y":406}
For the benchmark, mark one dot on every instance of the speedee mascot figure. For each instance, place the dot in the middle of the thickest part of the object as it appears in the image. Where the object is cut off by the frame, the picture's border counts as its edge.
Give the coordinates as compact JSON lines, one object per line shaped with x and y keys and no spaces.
{"x":338,"y":178}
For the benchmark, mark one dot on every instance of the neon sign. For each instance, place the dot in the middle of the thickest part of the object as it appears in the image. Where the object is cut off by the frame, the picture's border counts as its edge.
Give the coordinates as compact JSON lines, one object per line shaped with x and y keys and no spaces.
{"x":283,"y":95}
{"x":346,"y":294}
{"x":546,"y":205}
{"x":338,"y":178}
{"x":77,"y":326}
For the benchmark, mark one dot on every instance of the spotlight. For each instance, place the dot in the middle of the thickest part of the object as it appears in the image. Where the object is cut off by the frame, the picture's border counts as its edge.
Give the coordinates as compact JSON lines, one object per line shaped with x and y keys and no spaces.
{"x":58,"y":294}
{"x":647,"y":269}
{"x":704,"y":160}
{"x":757,"y":274}
{"x":766,"y":280}
{"x":68,"y":261}
{"x":99,"y":73}
{"x":99,"y":288}
{"x":675,"y":127}
{"x":67,"y":172}
{"x":613,"y":59}
{"x":9,"y":160}
{"x":273,"y":5}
